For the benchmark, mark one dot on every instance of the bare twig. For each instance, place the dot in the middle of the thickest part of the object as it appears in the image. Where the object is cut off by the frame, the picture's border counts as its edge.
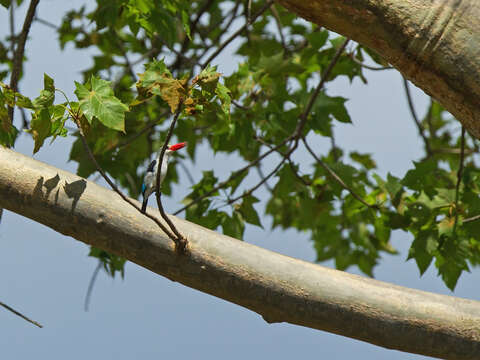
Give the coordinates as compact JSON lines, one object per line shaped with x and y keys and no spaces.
{"x":337,"y":178}
{"x":323,"y":79}
{"x":262,"y":176}
{"x":459,"y":177}
{"x":415,"y":117}
{"x":276,"y":16}
{"x":187,"y":172}
{"x":46,"y":23}
{"x":470,"y":219}
{"x":12,"y":27}
{"x":20,"y":314}
{"x":19,"y":51}
{"x":179,"y":239}
{"x":91,"y":284}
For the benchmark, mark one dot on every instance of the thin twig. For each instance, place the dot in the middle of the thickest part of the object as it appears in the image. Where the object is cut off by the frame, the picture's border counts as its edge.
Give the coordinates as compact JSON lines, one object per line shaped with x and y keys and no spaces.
{"x":12,"y":27}
{"x":415,"y":117}
{"x":276,"y":16}
{"x":262,"y":176}
{"x":187,"y":172}
{"x":20,"y":314}
{"x":470,"y":219}
{"x":249,"y":11}
{"x":179,"y":239}
{"x":91,"y":284}
{"x":260,"y":183}
{"x":289,"y":159}
{"x":369,"y":67}
{"x":337,"y":178}
{"x":46,"y":23}
{"x":236,"y":33}
{"x":323,"y":79}
{"x":19,"y":51}
{"x":459,"y":177}
{"x":193,"y":28}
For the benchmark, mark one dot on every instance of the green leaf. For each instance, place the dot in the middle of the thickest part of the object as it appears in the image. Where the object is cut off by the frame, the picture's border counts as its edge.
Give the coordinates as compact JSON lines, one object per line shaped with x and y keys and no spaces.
{"x":393,"y":185}
{"x":223,"y":94}
{"x":40,"y":127}
{"x":47,"y":95}
{"x":248,"y":212}
{"x":233,"y":226}
{"x":111,"y":263}
{"x":96,"y":100}
{"x":186,"y":24}
{"x":363,"y":159}
{"x":6,"y":3}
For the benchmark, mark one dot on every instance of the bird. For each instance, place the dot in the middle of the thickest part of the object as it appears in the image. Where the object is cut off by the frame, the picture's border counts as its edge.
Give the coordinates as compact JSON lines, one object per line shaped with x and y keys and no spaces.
{"x":150,"y":180}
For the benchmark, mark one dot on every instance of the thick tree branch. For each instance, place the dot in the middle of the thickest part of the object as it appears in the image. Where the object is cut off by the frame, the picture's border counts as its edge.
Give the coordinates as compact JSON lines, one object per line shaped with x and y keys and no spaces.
{"x":279,"y":288}
{"x":428,"y":41}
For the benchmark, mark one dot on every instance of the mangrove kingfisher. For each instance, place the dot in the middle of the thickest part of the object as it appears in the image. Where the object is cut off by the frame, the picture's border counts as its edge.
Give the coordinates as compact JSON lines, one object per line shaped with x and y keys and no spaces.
{"x":150,"y":179}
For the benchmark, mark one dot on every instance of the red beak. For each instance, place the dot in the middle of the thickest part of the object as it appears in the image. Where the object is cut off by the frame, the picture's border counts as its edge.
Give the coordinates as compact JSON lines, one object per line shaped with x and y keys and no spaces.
{"x":177,"y":146}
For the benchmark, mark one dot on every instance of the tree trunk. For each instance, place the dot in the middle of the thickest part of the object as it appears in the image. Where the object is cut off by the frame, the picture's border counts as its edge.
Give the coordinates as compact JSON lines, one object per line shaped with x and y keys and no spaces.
{"x":279,"y":288}
{"x":434,"y":43}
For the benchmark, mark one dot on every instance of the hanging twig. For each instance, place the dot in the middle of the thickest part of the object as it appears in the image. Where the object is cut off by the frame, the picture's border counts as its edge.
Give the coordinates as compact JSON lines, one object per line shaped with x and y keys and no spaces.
{"x":420,"y":128}
{"x":459,"y":177}
{"x":20,"y":314}
{"x":323,"y":79}
{"x":91,"y":284}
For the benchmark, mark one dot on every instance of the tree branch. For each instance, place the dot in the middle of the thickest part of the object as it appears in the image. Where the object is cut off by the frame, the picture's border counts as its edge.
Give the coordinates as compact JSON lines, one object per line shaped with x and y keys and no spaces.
{"x":431,"y":62}
{"x":278,"y":287}
{"x":20,"y":314}
{"x":91,"y":284}
{"x":19,"y":51}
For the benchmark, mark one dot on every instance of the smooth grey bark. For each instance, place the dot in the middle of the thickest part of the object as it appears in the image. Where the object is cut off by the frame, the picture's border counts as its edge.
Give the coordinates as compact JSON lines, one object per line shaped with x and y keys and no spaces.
{"x":434,"y":43}
{"x":278,"y":287}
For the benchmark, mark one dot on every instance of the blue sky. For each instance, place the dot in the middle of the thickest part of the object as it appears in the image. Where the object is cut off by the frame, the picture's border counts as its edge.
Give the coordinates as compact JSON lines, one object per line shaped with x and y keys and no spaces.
{"x":45,"y":274}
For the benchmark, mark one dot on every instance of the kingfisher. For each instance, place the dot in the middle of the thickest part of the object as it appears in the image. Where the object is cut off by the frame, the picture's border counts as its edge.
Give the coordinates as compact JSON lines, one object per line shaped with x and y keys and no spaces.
{"x":150,"y":179}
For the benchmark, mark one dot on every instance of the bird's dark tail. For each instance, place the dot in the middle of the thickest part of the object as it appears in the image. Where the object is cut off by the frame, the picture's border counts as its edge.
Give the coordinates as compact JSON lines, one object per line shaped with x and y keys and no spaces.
{"x":144,"y":204}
